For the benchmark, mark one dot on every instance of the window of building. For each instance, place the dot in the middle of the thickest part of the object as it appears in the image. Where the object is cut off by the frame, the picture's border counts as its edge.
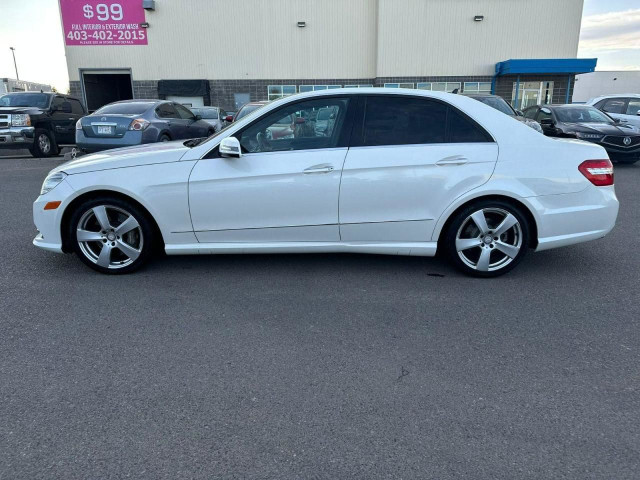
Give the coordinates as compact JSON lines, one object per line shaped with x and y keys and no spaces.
{"x":531,"y":93}
{"x":296,"y":127}
{"x":358,"y":86}
{"x":391,"y":120}
{"x":477,"y":87}
{"x":279,"y":91}
{"x":398,"y":85}
{"x":445,"y":86}
{"x":313,"y":88}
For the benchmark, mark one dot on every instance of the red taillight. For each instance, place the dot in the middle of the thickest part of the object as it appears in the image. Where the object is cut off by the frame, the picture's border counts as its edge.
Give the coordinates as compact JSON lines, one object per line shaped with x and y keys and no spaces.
{"x":138,"y":124}
{"x":598,"y":172}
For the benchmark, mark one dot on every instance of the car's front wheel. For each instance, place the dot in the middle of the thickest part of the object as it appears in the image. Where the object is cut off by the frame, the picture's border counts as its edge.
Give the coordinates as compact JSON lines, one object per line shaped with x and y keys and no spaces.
{"x":44,"y":144}
{"x":487,"y":238}
{"x":111,"y":235}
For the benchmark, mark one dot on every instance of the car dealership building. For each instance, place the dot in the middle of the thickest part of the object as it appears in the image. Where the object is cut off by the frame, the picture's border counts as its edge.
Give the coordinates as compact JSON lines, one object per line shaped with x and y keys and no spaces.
{"x":229,"y":52}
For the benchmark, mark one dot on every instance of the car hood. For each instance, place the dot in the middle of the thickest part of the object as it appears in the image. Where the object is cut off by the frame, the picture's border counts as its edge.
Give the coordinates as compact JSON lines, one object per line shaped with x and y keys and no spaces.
{"x":29,"y":110}
{"x":149,"y":154}
{"x":604,"y":128}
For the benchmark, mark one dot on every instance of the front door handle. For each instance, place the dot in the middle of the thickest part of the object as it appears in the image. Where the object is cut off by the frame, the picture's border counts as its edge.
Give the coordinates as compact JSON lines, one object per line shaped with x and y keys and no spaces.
{"x":319,"y":169}
{"x":453,"y":160}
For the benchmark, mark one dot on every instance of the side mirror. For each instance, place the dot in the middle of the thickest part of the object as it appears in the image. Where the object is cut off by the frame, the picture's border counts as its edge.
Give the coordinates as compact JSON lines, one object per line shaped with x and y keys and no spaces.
{"x":616,"y":121}
{"x":519,"y":113}
{"x":230,"y":148}
{"x":198,"y":117}
{"x":228,"y":118}
{"x":66,"y":107}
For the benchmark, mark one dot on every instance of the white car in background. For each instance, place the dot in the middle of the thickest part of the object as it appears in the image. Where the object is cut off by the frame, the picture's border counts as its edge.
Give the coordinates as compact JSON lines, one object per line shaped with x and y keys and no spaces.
{"x":624,"y":107}
{"x":402,"y":172}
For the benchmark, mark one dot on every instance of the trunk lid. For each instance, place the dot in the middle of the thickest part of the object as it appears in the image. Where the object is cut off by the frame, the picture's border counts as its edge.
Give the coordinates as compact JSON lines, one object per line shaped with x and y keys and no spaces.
{"x":106,"y":126}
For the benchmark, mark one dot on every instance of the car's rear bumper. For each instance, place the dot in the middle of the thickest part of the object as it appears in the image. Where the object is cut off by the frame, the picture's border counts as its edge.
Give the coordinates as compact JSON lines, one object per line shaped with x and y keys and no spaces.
{"x":96,"y":144}
{"x":16,"y":137}
{"x":575,"y":217}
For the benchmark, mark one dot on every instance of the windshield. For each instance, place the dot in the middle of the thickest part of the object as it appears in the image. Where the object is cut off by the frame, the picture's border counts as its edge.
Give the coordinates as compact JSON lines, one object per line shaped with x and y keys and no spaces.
{"x":498,"y":103}
{"x":39,"y":100}
{"x":581,"y":115}
{"x":246,"y":110}
{"x":208,"y":113}
{"x":128,"y":108}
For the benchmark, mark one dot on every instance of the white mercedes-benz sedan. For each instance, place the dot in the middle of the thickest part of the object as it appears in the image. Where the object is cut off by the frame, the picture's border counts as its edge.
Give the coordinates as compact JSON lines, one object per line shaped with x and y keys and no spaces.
{"x":398,"y":172}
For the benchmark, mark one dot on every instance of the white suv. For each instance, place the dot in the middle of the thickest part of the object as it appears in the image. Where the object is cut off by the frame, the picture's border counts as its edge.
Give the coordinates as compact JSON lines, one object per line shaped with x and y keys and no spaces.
{"x":624,"y":106}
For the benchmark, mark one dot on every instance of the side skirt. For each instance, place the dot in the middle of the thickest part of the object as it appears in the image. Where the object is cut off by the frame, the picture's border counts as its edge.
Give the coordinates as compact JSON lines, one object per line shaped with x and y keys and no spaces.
{"x":423,"y":249}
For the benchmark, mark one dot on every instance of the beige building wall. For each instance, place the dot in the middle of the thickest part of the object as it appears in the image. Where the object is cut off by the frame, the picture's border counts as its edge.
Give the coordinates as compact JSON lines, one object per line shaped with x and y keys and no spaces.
{"x":245,"y":39}
{"x":254,"y":39}
{"x":440,"y":37}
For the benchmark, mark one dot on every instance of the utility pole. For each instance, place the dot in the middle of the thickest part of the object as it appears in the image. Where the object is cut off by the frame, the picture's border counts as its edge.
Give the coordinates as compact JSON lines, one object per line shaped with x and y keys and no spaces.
{"x":13,"y":52}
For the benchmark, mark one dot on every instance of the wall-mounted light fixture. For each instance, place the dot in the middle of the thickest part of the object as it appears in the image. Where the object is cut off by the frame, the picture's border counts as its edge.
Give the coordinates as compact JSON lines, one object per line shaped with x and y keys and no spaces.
{"x":149,"y":4}
{"x":302,"y":24}
{"x":478,"y":18}
{"x":144,"y":25}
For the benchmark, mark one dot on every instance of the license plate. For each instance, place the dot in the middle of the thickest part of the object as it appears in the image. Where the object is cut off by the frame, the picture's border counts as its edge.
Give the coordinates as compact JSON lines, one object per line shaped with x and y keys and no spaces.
{"x":104,"y":130}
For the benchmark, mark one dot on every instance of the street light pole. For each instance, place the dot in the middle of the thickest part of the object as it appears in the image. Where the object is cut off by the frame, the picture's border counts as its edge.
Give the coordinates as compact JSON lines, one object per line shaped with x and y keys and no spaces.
{"x":13,"y":52}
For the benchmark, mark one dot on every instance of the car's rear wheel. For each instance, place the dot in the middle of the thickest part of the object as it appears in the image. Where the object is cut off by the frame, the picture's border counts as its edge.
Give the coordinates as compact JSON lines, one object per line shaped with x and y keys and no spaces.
{"x":111,"y":235}
{"x":164,"y":138}
{"x":487,"y":238}
{"x":44,"y":144}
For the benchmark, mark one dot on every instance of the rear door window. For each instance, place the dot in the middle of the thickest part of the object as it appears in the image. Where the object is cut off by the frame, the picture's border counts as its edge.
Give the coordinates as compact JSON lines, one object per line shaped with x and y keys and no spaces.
{"x":397,"y":120}
{"x":184,"y":112}
{"x":614,"y":105}
{"x":167,"y":110}
{"x":633,"y":108}
{"x":76,"y":107}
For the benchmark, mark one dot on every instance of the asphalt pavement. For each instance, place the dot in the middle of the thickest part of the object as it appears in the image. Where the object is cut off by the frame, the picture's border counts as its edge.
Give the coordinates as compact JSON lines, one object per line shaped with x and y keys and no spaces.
{"x":317,"y":366}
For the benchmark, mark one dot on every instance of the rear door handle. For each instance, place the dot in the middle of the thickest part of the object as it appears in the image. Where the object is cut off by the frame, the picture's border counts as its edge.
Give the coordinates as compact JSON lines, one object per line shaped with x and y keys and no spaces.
{"x":324,"y":168}
{"x":453,"y":160}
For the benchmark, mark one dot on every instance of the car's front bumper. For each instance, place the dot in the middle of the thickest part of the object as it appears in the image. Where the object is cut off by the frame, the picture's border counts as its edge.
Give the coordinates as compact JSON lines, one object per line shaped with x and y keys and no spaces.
{"x":16,"y":137}
{"x":48,"y":222}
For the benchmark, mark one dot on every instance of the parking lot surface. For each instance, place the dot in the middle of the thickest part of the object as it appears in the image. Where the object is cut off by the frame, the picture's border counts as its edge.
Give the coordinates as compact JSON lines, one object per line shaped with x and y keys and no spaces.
{"x":318,"y":366}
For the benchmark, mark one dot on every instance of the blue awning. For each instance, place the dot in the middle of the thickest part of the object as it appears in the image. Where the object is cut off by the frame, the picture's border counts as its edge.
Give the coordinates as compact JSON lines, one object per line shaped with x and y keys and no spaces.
{"x":547,"y":66}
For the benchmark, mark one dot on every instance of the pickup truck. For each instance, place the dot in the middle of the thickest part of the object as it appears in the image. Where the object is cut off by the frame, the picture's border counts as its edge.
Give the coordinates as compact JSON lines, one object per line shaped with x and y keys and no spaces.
{"x":40,"y":122}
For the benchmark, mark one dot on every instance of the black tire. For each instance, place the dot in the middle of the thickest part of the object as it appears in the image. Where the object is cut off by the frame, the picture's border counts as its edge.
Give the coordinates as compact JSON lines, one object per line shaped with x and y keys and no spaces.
{"x":44,"y":144}
{"x":164,"y":138}
{"x":491,"y":250}
{"x":140,"y":239}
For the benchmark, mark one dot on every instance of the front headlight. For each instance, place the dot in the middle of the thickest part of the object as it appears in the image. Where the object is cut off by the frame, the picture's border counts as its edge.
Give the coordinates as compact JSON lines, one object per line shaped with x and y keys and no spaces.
{"x":52,"y":181}
{"x":591,"y":136}
{"x":20,"y":120}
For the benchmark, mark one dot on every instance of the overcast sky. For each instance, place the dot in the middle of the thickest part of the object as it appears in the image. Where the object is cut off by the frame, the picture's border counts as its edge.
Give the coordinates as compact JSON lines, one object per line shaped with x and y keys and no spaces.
{"x":610,"y":32}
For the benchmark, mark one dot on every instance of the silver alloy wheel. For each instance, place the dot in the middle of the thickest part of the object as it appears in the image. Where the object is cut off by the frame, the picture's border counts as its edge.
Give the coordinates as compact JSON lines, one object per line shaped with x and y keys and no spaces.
{"x":44,"y":143}
{"x":109,"y":236}
{"x":489,"y":239}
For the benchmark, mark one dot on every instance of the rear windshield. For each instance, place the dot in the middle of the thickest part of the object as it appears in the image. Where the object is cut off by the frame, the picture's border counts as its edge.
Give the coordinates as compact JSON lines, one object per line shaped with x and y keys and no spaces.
{"x":38,"y":100}
{"x":129,"y":108}
{"x":207,"y":113}
{"x":246,"y":110}
{"x":498,"y":103}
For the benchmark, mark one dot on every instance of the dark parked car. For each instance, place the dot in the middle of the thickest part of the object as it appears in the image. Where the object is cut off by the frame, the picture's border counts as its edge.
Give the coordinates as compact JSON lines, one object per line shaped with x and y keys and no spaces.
{"x":622,"y":142}
{"x":41,"y":122}
{"x":134,"y":122}
{"x":500,"y":104}
{"x":246,"y":109}
{"x":214,"y":116}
